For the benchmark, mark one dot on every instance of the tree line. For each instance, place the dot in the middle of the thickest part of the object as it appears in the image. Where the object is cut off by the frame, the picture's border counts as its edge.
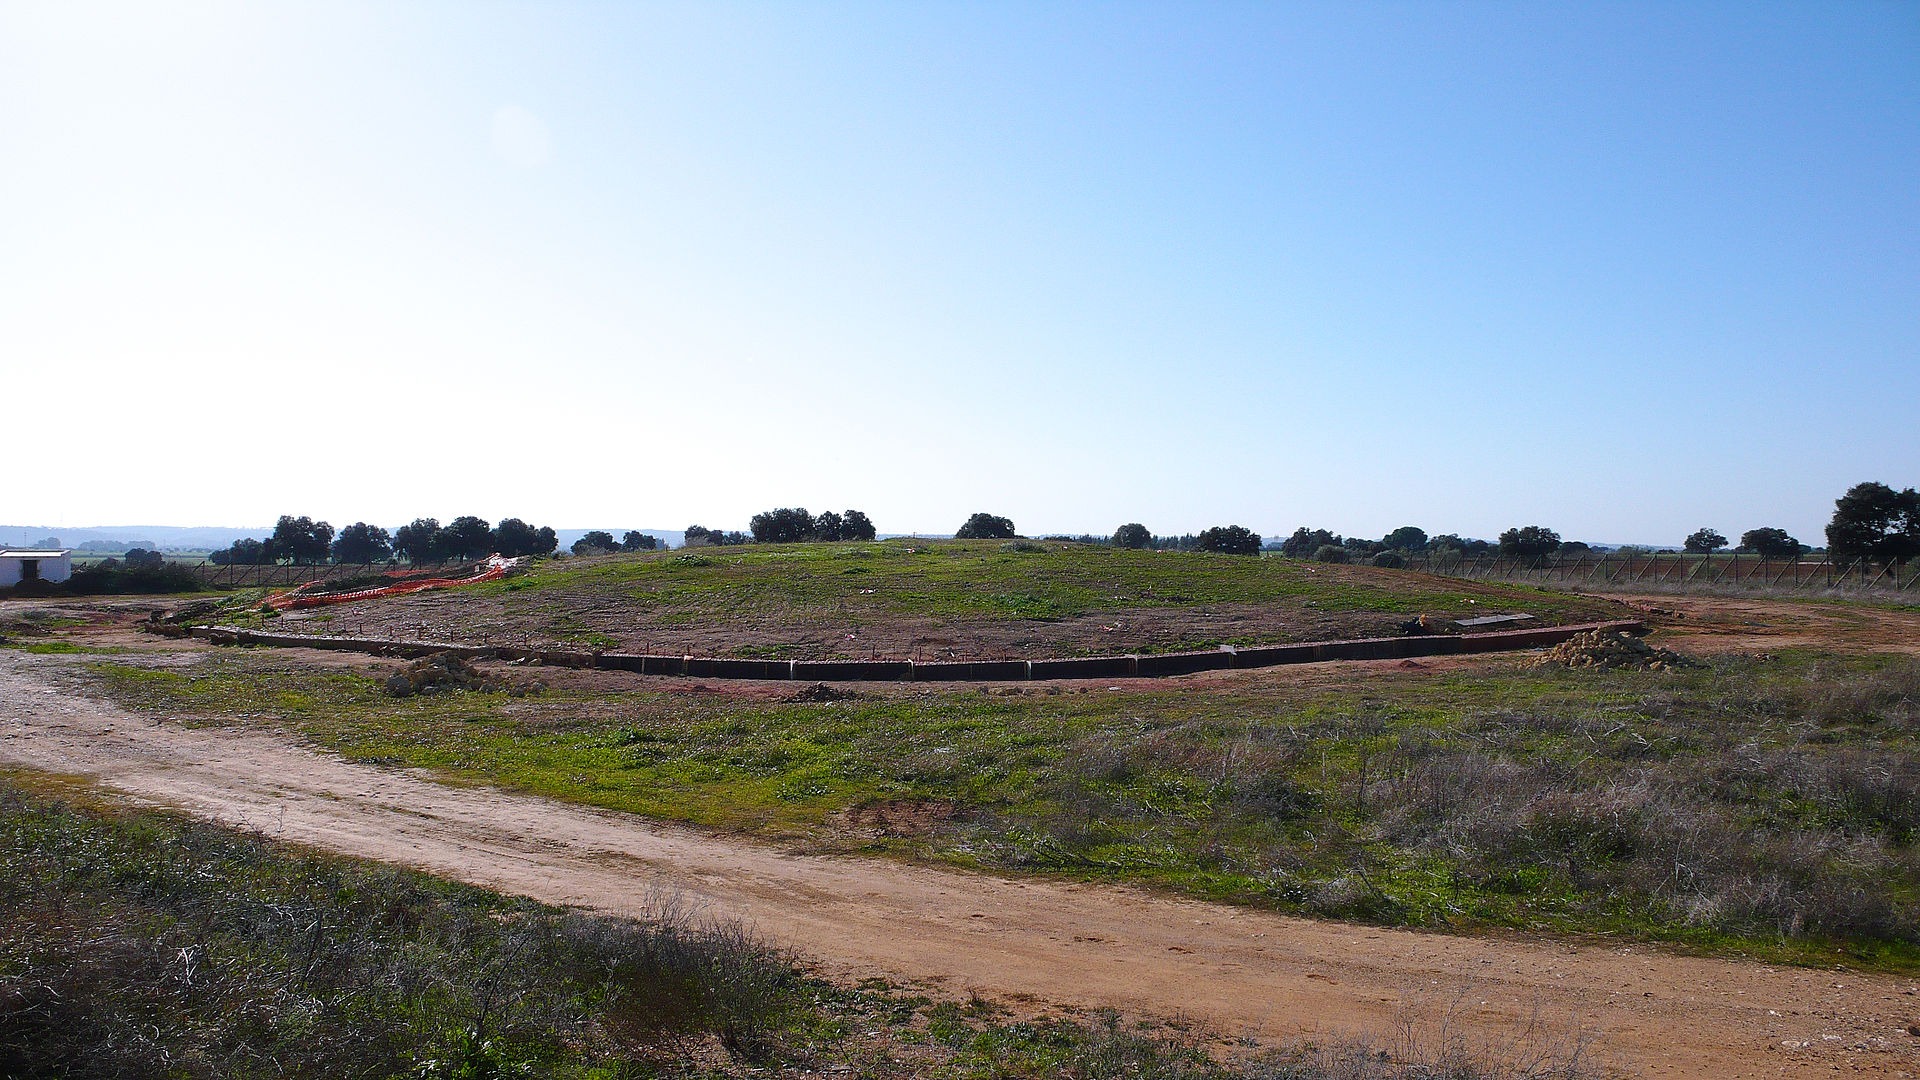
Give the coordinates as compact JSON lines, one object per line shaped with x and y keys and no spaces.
{"x":306,"y":542}
{"x":789,"y":525}
{"x":1872,"y":522}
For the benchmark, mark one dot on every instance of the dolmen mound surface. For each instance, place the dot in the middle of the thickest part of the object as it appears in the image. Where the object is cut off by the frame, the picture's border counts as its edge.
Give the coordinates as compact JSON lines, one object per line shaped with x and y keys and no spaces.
{"x":1607,"y":648}
{"x":1145,"y":665}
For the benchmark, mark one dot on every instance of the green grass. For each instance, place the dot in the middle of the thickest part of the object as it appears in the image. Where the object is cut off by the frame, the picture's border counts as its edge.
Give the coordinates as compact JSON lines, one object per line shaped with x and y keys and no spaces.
{"x":961,"y":580}
{"x":1762,"y":806}
{"x":135,"y":943}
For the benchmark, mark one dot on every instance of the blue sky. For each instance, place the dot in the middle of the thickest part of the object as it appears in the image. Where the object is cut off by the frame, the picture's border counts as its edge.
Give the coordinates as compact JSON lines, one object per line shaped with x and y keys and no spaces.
{"x":1619,"y":269}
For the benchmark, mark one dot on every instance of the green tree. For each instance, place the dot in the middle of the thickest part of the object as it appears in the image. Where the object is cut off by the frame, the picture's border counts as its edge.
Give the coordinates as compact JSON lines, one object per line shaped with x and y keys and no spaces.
{"x":1703,"y":541}
{"x":514,"y":538}
{"x":985,"y":527}
{"x":635,"y":540}
{"x":418,"y":541}
{"x":855,"y":525}
{"x":787,"y":525}
{"x":1230,"y":540}
{"x":1874,"y":523}
{"x":1132,"y":535}
{"x":1529,"y":542}
{"x":467,"y":537}
{"x":361,"y":544}
{"x":245,"y":551}
{"x":299,"y":540}
{"x":829,"y":527}
{"x":1770,"y":543}
{"x":1306,"y":543}
{"x":595,"y":542}
{"x":1405,"y":538}
{"x":143,"y":559}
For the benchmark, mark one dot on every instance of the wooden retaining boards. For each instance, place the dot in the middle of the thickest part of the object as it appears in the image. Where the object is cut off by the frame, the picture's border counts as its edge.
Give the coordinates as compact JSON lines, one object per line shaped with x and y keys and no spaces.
{"x":1151,"y":666}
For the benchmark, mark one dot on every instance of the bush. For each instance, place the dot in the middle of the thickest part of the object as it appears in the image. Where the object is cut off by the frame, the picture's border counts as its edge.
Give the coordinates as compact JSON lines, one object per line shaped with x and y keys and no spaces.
{"x":1332,"y":553}
{"x":141,"y":945}
{"x":1132,"y":535}
{"x":113,"y":576}
{"x":1392,"y":560}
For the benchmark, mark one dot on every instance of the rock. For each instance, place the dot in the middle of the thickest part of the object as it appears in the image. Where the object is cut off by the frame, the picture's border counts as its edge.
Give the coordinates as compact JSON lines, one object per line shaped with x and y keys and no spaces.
{"x":1612,"y":649}
{"x":442,"y":672}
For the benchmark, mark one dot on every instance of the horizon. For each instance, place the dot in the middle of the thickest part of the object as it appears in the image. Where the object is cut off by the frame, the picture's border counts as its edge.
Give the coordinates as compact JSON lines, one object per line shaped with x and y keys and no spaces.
{"x":1621,"y":271}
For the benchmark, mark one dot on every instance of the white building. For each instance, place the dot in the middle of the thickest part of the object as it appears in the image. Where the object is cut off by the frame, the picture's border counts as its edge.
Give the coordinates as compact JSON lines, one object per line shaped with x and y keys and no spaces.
{"x":34,"y":564}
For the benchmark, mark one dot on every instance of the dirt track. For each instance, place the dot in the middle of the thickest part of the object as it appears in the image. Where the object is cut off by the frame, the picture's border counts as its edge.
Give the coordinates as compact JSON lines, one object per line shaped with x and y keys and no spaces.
{"x":1244,"y":972}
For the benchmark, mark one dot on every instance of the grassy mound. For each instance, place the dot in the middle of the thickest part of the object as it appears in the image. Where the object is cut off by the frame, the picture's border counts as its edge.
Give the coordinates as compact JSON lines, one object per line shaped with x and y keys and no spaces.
{"x":938,"y":600}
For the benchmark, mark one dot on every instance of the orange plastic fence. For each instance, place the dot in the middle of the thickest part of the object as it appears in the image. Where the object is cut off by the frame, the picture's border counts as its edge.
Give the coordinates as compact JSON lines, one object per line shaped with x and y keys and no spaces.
{"x":493,"y":569}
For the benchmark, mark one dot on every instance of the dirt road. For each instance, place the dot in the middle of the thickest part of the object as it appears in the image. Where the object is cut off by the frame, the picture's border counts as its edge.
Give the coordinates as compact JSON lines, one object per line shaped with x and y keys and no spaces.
{"x":1244,"y":972}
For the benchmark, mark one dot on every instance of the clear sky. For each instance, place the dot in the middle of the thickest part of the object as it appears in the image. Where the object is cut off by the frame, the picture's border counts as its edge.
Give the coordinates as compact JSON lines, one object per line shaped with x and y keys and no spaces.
{"x":1618,"y":269}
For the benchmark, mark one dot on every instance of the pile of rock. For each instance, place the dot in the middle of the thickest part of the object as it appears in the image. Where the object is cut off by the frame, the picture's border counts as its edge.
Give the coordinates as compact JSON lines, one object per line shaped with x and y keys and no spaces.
{"x":1612,"y":649}
{"x":442,"y":672}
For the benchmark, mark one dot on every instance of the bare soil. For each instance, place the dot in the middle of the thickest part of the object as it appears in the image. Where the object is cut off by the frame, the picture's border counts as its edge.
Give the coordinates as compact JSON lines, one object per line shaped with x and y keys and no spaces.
{"x":1712,"y":624}
{"x":1245,"y":973}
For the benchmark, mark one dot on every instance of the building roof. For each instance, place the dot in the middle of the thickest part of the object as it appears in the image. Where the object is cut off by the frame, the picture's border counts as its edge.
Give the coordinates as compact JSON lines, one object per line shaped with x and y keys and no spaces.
{"x":34,"y":553}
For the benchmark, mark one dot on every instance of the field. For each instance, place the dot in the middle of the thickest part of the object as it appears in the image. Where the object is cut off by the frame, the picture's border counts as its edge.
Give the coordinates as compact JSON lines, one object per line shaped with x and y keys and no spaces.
{"x":935,"y":600}
{"x":1759,"y":807}
{"x":142,"y":944}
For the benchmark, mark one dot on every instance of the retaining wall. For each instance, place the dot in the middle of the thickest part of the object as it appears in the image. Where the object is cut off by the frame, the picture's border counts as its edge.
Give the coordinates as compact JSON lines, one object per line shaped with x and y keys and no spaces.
{"x":1153,"y":665}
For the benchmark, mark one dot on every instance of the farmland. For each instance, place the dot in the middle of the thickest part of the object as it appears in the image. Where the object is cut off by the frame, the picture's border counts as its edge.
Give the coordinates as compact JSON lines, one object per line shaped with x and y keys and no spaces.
{"x":1757,"y":806}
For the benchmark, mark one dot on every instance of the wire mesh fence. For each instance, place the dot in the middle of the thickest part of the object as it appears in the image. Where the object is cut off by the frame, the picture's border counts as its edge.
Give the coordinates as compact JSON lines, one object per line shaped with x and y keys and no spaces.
{"x":1672,"y":570}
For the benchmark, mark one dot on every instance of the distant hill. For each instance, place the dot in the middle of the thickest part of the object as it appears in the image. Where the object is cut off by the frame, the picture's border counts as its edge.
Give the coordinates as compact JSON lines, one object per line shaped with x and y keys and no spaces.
{"x":109,"y":537}
{"x":117,"y":538}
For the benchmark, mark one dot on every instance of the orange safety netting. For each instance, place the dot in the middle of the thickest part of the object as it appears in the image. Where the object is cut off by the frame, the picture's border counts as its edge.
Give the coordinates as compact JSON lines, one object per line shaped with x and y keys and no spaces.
{"x":493,"y":569}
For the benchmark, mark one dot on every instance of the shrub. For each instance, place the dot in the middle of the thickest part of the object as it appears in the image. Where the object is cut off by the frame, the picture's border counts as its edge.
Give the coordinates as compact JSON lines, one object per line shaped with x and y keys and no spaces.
{"x":1132,"y":535}
{"x":141,"y":945}
{"x":1332,"y":553}
{"x":112,"y":576}
{"x":1392,"y":560}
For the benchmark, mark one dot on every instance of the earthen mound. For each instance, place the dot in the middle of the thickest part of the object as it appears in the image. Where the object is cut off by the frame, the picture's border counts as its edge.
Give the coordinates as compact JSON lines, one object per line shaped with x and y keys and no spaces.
{"x":1612,"y":649}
